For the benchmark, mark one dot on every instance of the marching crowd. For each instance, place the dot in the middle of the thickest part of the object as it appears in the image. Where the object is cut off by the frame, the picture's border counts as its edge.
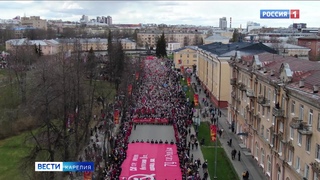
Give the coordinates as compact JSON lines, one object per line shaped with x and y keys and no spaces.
{"x":159,"y":95}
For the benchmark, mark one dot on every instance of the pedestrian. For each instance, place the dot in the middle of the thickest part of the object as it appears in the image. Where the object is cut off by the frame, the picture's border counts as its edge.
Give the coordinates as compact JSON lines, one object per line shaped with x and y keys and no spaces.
{"x":247,"y":175}
{"x":205,"y":166}
{"x":199,"y":162}
{"x":135,"y":126}
{"x":196,"y":144}
{"x":205,"y":176}
{"x":222,"y":132}
{"x":192,"y":145}
{"x":239,"y":155}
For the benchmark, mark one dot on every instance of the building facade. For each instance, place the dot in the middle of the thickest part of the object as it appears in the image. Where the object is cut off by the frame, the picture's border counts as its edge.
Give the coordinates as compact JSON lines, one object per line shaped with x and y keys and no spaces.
{"x":312,"y":42}
{"x":213,"y":69}
{"x":185,"y":57}
{"x":275,"y":106}
{"x":34,"y":21}
{"x":223,"y":24}
{"x":184,"y":38}
{"x":286,"y":49}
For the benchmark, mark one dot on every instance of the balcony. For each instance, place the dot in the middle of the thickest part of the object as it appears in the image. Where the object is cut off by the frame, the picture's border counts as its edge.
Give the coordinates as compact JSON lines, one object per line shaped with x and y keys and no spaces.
{"x":295,"y":123}
{"x":233,"y":94}
{"x":242,"y":87}
{"x":277,"y":112}
{"x":250,"y":93}
{"x":263,"y":101}
{"x":305,"y":129}
{"x":233,"y":81}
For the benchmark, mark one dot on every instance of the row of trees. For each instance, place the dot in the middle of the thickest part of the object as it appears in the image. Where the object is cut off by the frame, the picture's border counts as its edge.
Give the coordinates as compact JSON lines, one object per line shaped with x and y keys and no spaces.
{"x":58,"y":92}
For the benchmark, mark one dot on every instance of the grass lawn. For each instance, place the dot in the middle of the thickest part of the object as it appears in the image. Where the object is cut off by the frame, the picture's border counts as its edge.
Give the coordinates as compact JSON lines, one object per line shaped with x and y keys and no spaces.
{"x":225,"y":169}
{"x":189,"y":92}
{"x":12,"y":150}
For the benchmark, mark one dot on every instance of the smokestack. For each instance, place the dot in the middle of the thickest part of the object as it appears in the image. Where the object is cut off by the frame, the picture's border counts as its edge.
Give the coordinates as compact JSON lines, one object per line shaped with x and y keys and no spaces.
{"x":230,"y":21}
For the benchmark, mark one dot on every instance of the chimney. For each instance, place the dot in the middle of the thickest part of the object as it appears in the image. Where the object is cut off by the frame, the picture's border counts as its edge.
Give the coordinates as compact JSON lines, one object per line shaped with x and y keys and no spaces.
{"x":315,"y":89}
{"x":301,"y":84}
{"x":272,"y":73}
{"x":265,"y":70}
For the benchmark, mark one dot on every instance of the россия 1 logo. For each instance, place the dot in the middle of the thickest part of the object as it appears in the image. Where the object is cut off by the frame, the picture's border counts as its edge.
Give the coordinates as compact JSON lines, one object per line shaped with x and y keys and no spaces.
{"x":279,"y":14}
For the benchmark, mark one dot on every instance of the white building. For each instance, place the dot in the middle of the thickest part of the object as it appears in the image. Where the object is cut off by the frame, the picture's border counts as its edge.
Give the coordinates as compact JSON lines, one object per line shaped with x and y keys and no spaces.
{"x":252,"y":25}
{"x":173,"y":46}
{"x":223,"y":23}
{"x":216,"y":38}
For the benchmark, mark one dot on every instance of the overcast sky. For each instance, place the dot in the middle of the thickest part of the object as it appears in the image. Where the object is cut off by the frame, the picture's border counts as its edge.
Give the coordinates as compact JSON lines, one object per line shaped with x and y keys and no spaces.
{"x":167,"y":12}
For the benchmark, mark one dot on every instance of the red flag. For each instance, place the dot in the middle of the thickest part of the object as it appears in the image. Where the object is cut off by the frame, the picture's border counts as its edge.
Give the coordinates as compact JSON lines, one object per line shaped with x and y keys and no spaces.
{"x":116,"y":116}
{"x":130,"y":89}
{"x":189,"y":81}
{"x":137,"y":75}
{"x":213,"y":132}
{"x":87,"y":175}
{"x":180,"y":62}
{"x":196,"y":99}
{"x":182,"y":69}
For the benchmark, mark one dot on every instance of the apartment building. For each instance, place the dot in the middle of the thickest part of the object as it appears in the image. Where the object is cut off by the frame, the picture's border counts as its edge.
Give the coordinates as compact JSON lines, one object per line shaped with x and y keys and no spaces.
{"x":184,"y":38}
{"x":286,"y":49}
{"x":34,"y":21}
{"x":185,"y":57}
{"x":50,"y":47}
{"x":213,"y":69}
{"x":275,"y":106}
{"x":312,"y":42}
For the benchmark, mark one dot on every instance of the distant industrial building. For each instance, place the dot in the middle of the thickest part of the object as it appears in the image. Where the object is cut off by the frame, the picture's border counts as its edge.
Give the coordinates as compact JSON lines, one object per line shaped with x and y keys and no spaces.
{"x":34,"y":21}
{"x":223,"y":23}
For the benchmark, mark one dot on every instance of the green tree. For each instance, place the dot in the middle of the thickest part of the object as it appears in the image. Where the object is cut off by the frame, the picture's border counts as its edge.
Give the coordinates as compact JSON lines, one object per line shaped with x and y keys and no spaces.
{"x":161,"y":47}
{"x":235,"y":36}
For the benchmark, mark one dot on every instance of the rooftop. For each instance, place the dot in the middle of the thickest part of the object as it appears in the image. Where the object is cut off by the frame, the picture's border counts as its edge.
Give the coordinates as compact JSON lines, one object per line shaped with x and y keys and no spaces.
{"x":225,"y":50}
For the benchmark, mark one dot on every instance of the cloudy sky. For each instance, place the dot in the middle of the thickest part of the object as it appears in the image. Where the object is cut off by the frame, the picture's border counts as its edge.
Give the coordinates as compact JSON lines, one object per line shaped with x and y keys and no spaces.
{"x":168,"y":12}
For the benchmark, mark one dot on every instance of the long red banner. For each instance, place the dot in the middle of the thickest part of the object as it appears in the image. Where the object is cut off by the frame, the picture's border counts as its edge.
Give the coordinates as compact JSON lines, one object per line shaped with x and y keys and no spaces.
{"x":182,"y":69}
{"x":189,"y":81}
{"x":151,"y":120}
{"x":116,"y":116}
{"x":213,"y":132}
{"x":196,"y":99}
{"x":151,"y":161}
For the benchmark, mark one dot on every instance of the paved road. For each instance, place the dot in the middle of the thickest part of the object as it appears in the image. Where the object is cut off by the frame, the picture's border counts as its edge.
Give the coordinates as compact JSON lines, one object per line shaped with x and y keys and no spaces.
{"x":155,"y":132}
{"x":246,"y":162}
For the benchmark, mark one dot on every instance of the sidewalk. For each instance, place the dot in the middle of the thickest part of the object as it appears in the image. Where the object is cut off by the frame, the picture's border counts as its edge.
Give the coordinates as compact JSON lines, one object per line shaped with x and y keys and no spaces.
{"x":246,"y":163}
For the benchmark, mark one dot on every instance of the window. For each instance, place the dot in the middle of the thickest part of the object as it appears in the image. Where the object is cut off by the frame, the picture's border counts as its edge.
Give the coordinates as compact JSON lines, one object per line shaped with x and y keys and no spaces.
{"x":290,"y":156}
{"x":273,"y":120}
{"x":291,"y":133}
{"x":310,"y":118}
{"x":188,"y":61}
{"x":308,"y":144}
{"x":260,"y":88}
{"x":301,"y":112}
{"x":306,"y":171}
{"x":257,"y":150}
{"x":298,"y":164}
{"x":269,"y":164}
{"x":274,"y":96}
{"x":318,"y":151}
{"x":280,"y":148}
{"x":187,"y":55}
{"x":299,"y":139}
{"x":262,"y":158}
{"x":315,"y":176}
{"x":262,"y":130}
{"x":268,"y":113}
{"x":263,"y":111}
{"x":194,"y":55}
{"x":268,"y":134}
{"x":181,"y":55}
{"x":318,"y":124}
{"x":293,"y":104}
{"x":281,"y":126}
{"x":269,"y":94}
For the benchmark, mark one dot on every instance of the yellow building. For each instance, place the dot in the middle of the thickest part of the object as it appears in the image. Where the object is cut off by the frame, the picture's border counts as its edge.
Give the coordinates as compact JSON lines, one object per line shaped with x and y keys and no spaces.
{"x":34,"y":21}
{"x":184,"y":38}
{"x":274,"y":101}
{"x":213,"y":69}
{"x":185,"y":57}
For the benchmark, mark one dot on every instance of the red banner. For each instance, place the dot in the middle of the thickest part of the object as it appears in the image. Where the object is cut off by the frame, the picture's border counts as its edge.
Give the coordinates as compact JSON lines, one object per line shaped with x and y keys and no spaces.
{"x":196,"y":99}
{"x":87,"y":176}
{"x":189,"y":81}
{"x":130,"y":89}
{"x":213,"y":132}
{"x":182,"y":69}
{"x":137,"y":75}
{"x":116,"y":116}
{"x":151,"y":120}
{"x":151,"y":161}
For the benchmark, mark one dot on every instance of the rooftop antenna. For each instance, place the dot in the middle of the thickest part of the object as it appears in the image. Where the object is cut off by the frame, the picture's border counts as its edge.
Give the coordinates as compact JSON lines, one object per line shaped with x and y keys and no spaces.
{"x":25,"y":14}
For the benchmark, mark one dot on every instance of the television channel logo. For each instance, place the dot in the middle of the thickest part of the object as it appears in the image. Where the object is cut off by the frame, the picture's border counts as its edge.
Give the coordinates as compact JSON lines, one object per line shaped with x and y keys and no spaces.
{"x":64,"y":166}
{"x":279,"y":14}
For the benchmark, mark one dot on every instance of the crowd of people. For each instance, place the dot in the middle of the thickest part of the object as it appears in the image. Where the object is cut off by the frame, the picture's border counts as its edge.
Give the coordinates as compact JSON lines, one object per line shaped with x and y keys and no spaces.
{"x":159,"y":95}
